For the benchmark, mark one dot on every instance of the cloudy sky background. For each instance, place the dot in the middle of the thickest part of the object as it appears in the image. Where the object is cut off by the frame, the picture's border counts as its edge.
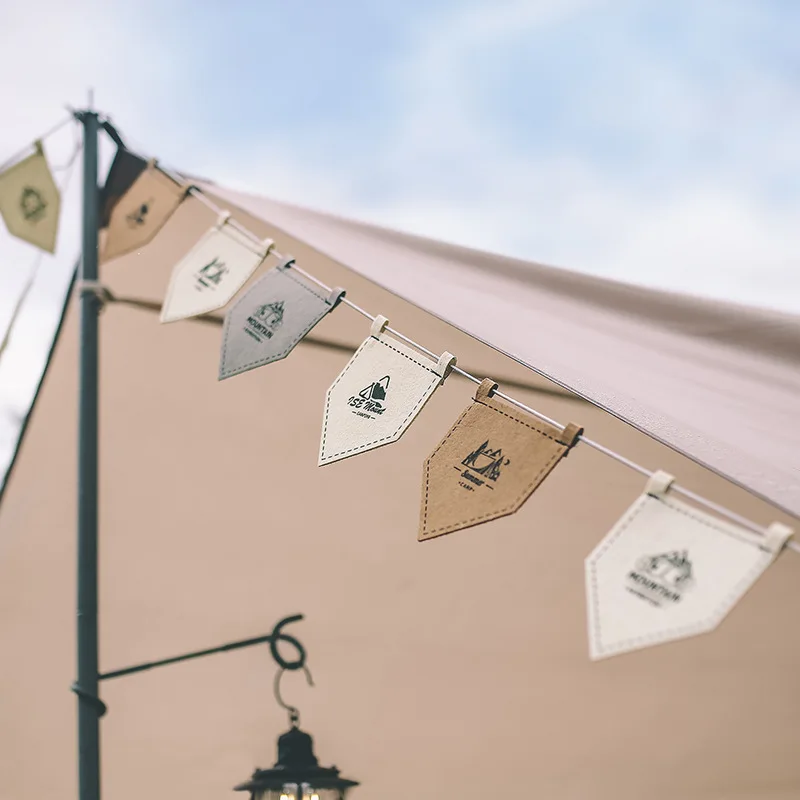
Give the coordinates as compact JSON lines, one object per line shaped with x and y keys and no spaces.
{"x":648,"y":141}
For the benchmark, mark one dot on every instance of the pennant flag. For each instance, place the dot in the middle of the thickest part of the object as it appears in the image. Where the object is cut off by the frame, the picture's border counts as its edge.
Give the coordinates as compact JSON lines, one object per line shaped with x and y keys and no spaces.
{"x":30,"y":201}
{"x":211,"y":273}
{"x":488,"y":464}
{"x":123,"y":172}
{"x":668,"y":571}
{"x":270,"y":318}
{"x":141,"y":213}
{"x":377,"y":395}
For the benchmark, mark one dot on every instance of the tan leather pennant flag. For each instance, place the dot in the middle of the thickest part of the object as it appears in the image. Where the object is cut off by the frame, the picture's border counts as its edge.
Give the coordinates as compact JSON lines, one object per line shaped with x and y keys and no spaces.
{"x":488,"y":464}
{"x":377,"y":395}
{"x":668,"y":571}
{"x":30,"y":201}
{"x":213,"y":271}
{"x":142,"y":211}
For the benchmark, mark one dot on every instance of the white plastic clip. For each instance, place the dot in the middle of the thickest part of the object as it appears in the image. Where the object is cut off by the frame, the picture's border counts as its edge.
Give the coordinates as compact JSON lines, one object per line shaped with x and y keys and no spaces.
{"x":444,"y":365}
{"x":379,"y":325}
{"x":776,"y":537}
{"x":223,"y":219}
{"x":659,"y":483}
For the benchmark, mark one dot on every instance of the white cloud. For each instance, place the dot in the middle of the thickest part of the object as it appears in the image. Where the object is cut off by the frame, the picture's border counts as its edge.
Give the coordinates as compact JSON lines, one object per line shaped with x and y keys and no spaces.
{"x":709,"y":229}
{"x":449,"y":168}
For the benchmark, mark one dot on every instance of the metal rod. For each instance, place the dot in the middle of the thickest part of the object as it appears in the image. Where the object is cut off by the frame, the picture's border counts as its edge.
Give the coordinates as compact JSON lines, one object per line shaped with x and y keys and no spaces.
{"x":107,"y":676}
{"x":273,"y":639}
{"x":89,"y":707}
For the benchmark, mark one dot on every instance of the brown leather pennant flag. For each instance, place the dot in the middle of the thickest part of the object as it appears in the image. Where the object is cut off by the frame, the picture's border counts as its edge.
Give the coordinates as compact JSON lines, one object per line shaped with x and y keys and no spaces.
{"x":123,"y":172}
{"x":488,"y":465}
{"x":141,"y":212}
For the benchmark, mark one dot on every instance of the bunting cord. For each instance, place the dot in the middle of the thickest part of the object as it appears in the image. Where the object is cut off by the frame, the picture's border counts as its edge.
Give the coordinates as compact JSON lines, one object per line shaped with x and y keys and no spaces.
{"x":738,"y":519}
{"x":46,"y":135}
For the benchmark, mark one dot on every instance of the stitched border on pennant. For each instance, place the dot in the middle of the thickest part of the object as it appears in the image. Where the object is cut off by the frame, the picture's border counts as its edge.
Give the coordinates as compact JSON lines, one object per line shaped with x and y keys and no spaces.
{"x":526,"y":492}
{"x":384,"y":439}
{"x":670,"y":634}
{"x":292,"y":344}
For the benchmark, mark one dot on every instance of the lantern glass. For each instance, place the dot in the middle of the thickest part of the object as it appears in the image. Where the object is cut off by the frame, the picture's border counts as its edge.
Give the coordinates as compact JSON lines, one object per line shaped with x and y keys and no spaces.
{"x":305,"y":791}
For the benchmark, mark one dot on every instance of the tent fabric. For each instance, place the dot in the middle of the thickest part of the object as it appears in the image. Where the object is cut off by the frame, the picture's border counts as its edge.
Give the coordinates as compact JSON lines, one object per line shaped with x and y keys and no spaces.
{"x":458,"y":667}
{"x":716,"y":381}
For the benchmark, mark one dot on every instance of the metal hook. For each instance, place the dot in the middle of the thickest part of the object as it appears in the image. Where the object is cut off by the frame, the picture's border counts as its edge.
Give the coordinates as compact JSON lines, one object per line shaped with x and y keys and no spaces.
{"x":294,"y":714}
{"x":278,"y":636}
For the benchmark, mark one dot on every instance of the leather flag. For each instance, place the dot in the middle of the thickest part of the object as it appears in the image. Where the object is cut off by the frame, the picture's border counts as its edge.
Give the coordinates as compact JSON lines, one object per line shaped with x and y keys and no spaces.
{"x":667,"y":571}
{"x":123,"y":172}
{"x":488,"y":464}
{"x":30,"y":201}
{"x":211,"y":273}
{"x":141,"y":212}
{"x":270,"y":318}
{"x":377,"y":395}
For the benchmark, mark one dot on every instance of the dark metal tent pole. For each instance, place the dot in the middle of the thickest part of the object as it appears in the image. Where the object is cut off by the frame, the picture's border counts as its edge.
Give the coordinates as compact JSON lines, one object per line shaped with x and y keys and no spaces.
{"x":90,"y":708}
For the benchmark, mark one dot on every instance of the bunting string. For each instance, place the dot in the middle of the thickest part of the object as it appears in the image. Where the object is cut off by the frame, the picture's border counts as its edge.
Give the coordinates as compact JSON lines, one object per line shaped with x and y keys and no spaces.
{"x":46,"y":135}
{"x":710,"y":505}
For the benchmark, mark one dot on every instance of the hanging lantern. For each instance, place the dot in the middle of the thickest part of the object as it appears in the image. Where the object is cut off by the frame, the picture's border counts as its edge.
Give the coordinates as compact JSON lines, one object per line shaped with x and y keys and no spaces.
{"x":297,"y":774}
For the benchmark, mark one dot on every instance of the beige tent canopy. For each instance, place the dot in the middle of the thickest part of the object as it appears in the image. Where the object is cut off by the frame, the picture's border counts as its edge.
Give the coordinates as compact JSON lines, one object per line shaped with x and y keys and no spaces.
{"x":454,"y":668}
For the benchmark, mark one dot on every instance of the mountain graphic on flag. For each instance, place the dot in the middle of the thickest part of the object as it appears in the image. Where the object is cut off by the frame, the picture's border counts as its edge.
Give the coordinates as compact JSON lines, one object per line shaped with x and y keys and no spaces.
{"x":377,"y":390}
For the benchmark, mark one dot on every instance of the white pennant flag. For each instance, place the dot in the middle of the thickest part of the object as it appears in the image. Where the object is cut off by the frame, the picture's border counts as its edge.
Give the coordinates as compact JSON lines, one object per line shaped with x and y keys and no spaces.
{"x":668,"y":571}
{"x":213,"y":271}
{"x":377,"y":395}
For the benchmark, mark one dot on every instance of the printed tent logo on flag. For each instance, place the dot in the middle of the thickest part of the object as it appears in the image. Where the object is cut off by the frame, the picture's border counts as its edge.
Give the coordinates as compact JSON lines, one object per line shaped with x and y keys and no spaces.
{"x":142,"y":211}
{"x":270,"y":318}
{"x":668,"y":571}
{"x":488,"y":464}
{"x":377,"y":395}
{"x":213,"y":271}
{"x":30,"y":201}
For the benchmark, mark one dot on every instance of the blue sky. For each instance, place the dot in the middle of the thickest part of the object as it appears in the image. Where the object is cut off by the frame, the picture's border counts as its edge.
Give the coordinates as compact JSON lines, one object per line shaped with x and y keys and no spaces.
{"x":650,"y":141}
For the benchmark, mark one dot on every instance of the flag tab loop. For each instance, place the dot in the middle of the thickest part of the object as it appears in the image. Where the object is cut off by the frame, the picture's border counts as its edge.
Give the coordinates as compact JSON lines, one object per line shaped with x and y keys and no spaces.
{"x":659,"y":483}
{"x":777,"y":536}
{"x":336,"y":295}
{"x":569,"y":436}
{"x":444,"y":365}
{"x":486,"y":389}
{"x":379,"y":325}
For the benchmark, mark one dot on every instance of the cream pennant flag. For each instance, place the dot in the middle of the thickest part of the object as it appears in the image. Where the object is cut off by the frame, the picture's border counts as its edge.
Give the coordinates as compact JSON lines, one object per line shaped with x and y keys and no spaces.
{"x":270,"y":318}
{"x":30,"y":201}
{"x":141,"y":212}
{"x":488,"y":464}
{"x":668,"y":571}
{"x":213,"y":271}
{"x":377,"y":395}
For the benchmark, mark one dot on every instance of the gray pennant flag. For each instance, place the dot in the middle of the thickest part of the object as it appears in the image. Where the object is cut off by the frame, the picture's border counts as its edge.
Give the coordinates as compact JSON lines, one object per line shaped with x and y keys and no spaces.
{"x":266,"y":323}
